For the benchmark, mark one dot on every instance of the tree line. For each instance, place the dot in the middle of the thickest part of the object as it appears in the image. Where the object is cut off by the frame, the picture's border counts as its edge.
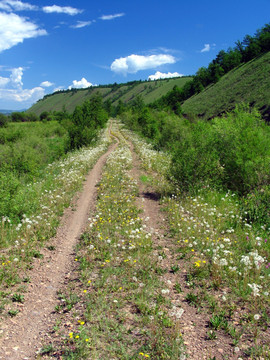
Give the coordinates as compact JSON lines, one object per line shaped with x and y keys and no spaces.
{"x":247,"y":49}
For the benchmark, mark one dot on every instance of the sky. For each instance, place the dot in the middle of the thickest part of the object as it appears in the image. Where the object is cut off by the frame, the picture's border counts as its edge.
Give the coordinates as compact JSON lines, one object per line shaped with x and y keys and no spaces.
{"x":51,"y":45}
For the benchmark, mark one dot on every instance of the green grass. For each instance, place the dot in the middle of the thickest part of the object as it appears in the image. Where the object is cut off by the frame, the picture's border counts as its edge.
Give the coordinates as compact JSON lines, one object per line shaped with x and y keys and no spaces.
{"x":226,"y":258}
{"x":149,"y":90}
{"x":67,"y":100}
{"x":123,"y":313}
{"x":31,"y":206}
{"x":248,"y":83}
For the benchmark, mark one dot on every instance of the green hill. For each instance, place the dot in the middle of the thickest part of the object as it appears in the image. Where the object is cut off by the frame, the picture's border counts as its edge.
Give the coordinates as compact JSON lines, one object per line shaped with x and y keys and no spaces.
{"x":149,"y":90}
{"x":249,"y":83}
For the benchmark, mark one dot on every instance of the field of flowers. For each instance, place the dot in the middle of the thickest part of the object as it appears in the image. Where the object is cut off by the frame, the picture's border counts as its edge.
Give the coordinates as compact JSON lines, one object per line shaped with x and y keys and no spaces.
{"x":45,"y":200}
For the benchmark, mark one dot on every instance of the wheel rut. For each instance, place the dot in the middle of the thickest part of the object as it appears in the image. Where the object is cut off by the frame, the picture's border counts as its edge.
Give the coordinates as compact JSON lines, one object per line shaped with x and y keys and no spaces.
{"x":21,"y":337}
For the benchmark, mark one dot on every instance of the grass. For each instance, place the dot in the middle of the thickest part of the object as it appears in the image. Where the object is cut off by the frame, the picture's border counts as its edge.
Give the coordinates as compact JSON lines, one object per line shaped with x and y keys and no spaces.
{"x":149,"y":90}
{"x":226,"y":258}
{"x":124,"y":311}
{"x":42,"y":202}
{"x":247,"y":84}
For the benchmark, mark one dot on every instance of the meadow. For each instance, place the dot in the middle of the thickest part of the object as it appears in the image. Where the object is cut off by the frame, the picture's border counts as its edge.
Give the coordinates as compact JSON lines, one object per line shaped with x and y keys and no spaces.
{"x":134,"y":288}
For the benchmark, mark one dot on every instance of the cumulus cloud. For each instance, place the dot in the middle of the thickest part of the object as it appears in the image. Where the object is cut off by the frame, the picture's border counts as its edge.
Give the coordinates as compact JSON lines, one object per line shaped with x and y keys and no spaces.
{"x":81,"y":84}
{"x":4,"y":81}
{"x":111,"y":17}
{"x":59,"y":88}
{"x":46,"y":84}
{"x":14,"y":29}
{"x":81,"y":24}
{"x":14,"y":80}
{"x":134,"y":63}
{"x":160,"y":75}
{"x":22,"y":95}
{"x":206,"y":48}
{"x":62,"y":9}
{"x":11,"y":89}
{"x":16,"y":5}
{"x":16,"y":77}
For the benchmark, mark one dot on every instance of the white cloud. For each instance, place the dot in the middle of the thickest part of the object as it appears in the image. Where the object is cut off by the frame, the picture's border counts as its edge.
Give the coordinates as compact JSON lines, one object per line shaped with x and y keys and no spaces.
{"x":206,"y":48}
{"x":46,"y":84}
{"x":22,"y":95}
{"x":16,"y":5}
{"x":11,"y":89}
{"x":81,"y":24}
{"x":111,"y":17}
{"x":133,"y":63}
{"x":61,"y":9}
{"x":59,"y":88}
{"x":16,"y":77}
{"x":81,"y":84}
{"x":14,"y":29}
{"x":4,"y":81}
{"x":159,"y":75}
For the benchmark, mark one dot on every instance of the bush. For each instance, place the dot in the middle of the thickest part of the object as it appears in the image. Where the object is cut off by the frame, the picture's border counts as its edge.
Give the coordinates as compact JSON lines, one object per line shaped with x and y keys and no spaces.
{"x":3,"y":120}
{"x":85,"y":121}
{"x":255,"y":206}
{"x":242,"y":142}
{"x":195,"y":161}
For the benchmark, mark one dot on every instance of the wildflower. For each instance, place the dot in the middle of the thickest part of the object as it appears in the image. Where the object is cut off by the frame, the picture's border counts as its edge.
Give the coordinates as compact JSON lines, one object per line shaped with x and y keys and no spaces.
{"x":70,"y":335}
{"x":257,"y":316}
{"x":255,"y":288}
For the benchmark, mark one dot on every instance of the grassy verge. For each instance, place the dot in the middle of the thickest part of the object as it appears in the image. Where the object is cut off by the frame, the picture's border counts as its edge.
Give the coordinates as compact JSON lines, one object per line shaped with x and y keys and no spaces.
{"x":122,"y":309}
{"x":226,"y":258}
{"x":43,"y":202}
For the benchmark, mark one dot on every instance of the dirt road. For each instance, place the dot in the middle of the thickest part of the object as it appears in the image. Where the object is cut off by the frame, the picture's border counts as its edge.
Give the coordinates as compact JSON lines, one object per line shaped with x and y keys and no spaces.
{"x":21,"y":337}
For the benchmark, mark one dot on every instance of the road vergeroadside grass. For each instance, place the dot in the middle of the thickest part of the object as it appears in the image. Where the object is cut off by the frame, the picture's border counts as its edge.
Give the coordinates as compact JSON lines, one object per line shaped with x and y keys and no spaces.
{"x":126,"y":312}
{"x":226,"y":257}
{"x":21,"y":241}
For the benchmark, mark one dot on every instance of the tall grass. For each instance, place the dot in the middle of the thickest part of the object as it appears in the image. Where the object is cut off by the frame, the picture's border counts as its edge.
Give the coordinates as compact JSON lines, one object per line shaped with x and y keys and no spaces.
{"x":227,"y":153}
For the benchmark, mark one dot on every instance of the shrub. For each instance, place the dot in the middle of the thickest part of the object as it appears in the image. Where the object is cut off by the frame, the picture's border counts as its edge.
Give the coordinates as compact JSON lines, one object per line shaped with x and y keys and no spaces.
{"x":3,"y":120}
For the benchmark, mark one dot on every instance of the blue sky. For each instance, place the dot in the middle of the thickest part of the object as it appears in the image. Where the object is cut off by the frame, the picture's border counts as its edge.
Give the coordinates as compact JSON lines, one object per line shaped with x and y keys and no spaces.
{"x":47,"y":45}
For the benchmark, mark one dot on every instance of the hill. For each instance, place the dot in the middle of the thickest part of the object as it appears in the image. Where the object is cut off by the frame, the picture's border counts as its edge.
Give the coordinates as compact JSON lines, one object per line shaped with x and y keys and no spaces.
{"x":149,"y":90}
{"x":249,"y":83}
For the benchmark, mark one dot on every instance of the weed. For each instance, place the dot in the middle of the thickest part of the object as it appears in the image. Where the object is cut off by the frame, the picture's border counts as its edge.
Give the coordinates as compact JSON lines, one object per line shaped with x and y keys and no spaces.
{"x":211,"y":335}
{"x":192,"y":299}
{"x":174,"y":269}
{"x":177,"y":288}
{"x":17,"y":298}
{"x":12,"y":312}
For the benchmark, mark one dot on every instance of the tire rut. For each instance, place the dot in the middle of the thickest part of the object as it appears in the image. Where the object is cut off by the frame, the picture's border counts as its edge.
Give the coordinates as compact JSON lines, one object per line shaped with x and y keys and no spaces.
{"x":21,"y":337}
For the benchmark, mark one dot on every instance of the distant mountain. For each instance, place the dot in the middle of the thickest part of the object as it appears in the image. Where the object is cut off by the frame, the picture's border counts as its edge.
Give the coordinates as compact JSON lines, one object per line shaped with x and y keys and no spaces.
{"x":7,"y":112}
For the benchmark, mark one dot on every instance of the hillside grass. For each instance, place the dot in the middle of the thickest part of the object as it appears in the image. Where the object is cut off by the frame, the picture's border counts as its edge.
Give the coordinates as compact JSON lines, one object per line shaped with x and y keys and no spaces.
{"x":248,"y":83}
{"x":67,"y":100}
{"x":149,"y":90}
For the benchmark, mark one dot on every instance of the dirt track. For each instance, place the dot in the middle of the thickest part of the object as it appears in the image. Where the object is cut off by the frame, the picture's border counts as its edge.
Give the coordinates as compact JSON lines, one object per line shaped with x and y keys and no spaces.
{"x":22,"y":337}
